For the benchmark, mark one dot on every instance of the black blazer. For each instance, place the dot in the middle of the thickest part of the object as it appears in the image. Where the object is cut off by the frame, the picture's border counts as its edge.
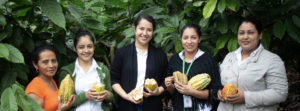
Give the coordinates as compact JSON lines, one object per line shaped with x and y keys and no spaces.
{"x":124,"y":72}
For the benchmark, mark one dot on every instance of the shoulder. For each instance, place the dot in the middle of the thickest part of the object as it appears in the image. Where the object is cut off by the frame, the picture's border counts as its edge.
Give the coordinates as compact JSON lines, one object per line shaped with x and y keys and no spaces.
{"x":69,"y":68}
{"x":125,"y":48}
{"x":35,"y":86}
{"x":268,"y":55}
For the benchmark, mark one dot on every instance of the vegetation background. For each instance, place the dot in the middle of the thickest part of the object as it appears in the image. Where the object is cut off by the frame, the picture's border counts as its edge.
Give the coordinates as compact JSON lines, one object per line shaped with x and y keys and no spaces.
{"x":25,"y":24}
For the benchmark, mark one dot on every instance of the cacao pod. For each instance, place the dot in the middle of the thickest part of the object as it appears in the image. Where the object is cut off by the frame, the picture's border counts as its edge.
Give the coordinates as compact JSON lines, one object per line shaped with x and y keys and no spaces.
{"x":66,"y":88}
{"x":150,"y":84}
{"x":182,"y":78}
{"x":229,"y":89}
{"x":137,"y":94}
{"x":98,"y":87}
{"x":200,"y":81}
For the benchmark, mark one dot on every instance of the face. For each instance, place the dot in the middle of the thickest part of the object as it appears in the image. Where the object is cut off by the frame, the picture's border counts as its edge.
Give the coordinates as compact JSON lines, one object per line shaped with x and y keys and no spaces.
{"x":47,"y":63}
{"x":143,"y":32}
{"x":190,"y":40}
{"x":248,"y":37}
{"x":85,"y":48}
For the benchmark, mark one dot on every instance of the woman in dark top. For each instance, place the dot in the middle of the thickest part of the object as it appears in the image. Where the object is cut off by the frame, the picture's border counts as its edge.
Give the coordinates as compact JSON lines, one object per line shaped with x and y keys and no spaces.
{"x":193,"y":61}
{"x":136,"y":62}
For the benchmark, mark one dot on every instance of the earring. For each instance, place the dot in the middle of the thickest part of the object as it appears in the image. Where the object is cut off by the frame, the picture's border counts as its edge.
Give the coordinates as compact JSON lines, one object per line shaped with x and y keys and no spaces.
{"x":37,"y":70}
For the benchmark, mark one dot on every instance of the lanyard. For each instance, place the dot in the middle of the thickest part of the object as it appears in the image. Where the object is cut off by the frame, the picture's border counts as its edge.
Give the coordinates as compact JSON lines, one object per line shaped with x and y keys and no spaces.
{"x":183,"y":66}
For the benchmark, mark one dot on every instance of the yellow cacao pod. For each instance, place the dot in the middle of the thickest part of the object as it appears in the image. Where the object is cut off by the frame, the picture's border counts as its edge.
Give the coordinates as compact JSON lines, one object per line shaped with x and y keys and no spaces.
{"x":182,"y":78}
{"x":229,"y":89}
{"x":98,"y":87}
{"x":200,"y":81}
{"x":150,"y":84}
{"x":66,"y":88}
{"x":137,"y":94}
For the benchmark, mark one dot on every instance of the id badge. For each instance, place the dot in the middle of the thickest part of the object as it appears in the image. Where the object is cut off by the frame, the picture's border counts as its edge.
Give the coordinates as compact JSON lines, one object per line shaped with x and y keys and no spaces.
{"x":187,"y":101}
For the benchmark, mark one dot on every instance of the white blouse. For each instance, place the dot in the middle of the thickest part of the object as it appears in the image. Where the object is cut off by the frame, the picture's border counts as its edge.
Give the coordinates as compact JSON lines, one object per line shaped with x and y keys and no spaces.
{"x":141,"y":64}
{"x":84,"y":82}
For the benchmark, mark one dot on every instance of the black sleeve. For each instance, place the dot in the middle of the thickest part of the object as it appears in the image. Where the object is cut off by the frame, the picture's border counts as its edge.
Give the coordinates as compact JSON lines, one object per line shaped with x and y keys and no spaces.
{"x":116,"y":68}
{"x":164,"y":70}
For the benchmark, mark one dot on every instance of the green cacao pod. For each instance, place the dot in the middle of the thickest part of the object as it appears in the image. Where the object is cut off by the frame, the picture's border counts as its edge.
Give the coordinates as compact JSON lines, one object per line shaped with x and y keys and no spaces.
{"x":66,"y":88}
{"x":182,"y":78}
{"x":200,"y":81}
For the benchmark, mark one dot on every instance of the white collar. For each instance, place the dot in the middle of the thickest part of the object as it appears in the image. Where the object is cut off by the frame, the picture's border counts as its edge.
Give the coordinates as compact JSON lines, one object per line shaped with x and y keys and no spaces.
{"x":138,"y":52}
{"x":94,"y":66}
{"x":198,"y":54}
{"x":238,"y":52}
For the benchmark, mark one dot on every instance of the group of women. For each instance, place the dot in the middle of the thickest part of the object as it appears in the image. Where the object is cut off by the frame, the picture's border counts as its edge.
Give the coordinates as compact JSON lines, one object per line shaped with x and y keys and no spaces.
{"x":259,"y":74}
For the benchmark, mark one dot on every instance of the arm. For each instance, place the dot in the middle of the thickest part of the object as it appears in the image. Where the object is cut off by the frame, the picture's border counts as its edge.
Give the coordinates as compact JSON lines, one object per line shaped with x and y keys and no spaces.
{"x":107,"y":83}
{"x":36,"y":98}
{"x":276,"y":86}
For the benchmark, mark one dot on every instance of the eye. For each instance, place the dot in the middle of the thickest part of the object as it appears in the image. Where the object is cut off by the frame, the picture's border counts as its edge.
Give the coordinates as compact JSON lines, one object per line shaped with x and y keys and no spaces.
{"x":142,"y":28}
{"x":45,"y":62}
{"x":241,"y":32}
{"x":90,"y":46}
{"x":54,"y":60}
{"x":149,"y":29}
{"x":81,"y":47}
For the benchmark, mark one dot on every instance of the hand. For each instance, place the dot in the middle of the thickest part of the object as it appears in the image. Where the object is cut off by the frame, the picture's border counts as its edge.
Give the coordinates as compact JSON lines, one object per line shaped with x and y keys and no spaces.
{"x":237,"y":98}
{"x":168,"y":81}
{"x":91,"y":94}
{"x":220,"y":97}
{"x":130,"y":98}
{"x":151,"y":93}
{"x":102,"y":96}
{"x":183,"y":89}
{"x":64,"y":107}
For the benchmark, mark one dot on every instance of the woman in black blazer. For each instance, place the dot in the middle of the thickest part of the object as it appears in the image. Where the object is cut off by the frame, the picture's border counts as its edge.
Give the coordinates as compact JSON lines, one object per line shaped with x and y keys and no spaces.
{"x":135,"y":63}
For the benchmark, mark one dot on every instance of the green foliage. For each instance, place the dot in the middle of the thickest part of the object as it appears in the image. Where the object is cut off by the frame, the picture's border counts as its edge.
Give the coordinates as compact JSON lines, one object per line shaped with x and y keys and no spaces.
{"x":25,"y":24}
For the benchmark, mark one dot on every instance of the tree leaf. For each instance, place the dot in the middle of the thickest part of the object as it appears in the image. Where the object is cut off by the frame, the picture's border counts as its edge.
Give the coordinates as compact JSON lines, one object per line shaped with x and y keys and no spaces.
{"x":178,"y":45}
{"x":8,"y":100}
{"x":296,"y":20}
{"x":221,"y":6}
{"x":23,"y":12}
{"x":3,"y":36}
{"x":222,"y":24}
{"x":21,"y":71}
{"x":279,"y":29}
{"x":15,"y":55}
{"x":198,"y":3}
{"x":75,"y":11}
{"x":233,"y":4}
{"x":2,"y":21}
{"x":233,"y":24}
{"x":129,"y":32}
{"x":165,"y":30}
{"x":135,"y":4}
{"x":150,"y":11}
{"x":93,"y":23}
{"x":29,"y":44}
{"x":54,"y":12}
{"x":266,"y":39}
{"x":4,"y":53}
{"x":232,"y":43}
{"x":292,"y":31}
{"x":21,"y":101}
{"x":222,"y":41}
{"x":209,"y":8}
{"x":204,"y":22}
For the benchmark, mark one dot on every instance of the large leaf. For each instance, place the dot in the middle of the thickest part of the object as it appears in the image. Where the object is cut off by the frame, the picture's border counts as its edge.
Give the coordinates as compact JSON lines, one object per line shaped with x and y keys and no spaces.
{"x":209,"y":8}
{"x":2,"y":20}
{"x":222,"y":41}
{"x":150,"y":11}
{"x":292,"y":31}
{"x":232,"y":43}
{"x":204,"y":22}
{"x":23,"y":12}
{"x":8,"y":100}
{"x":222,"y":24}
{"x":129,"y":32}
{"x":198,"y":3}
{"x":21,"y":101}
{"x":279,"y":29}
{"x":4,"y":53}
{"x":266,"y":39}
{"x":165,"y":30}
{"x":233,"y":24}
{"x":54,"y":12}
{"x":21,"y":71}
{"x":93,"y":23}
{"x":15,"y":55}
{"x":178,"y":45}
{"x":135,"y":4}
{"x":233,"y":4}
{"x":221,"y":5}
{"x":75,"y":11}
{"x":296,"y":20}
{"x":3,"y":36}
